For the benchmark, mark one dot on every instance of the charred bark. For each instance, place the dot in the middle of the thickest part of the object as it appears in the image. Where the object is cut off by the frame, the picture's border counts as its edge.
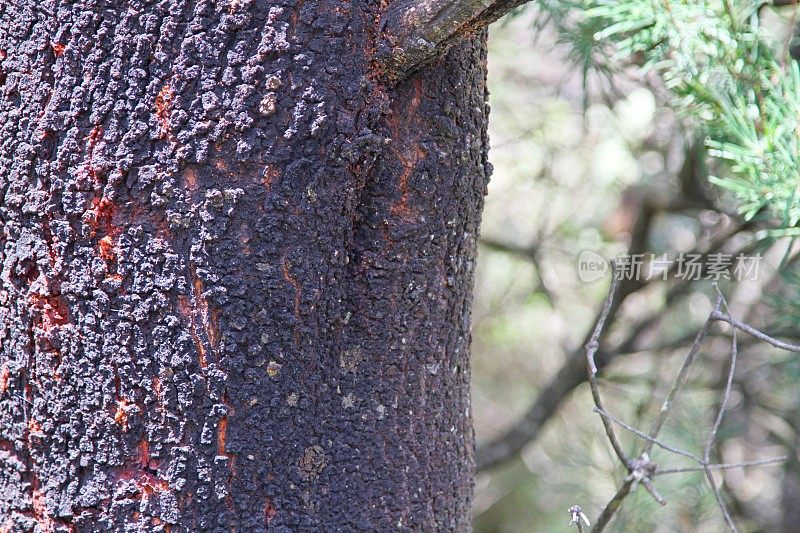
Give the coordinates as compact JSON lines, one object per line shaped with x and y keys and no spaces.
{"x":236,"y":269}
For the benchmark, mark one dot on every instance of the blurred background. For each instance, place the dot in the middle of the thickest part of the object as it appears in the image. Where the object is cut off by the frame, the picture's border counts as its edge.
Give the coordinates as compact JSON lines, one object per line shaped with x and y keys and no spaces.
{"x":594,"y":160}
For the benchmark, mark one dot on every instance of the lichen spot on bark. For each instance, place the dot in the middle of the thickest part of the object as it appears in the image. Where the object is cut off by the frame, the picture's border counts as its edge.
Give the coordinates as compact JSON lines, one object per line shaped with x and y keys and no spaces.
{"x":313,"y":462}
{"x":351,"y":358}
{"x":273,"y":369}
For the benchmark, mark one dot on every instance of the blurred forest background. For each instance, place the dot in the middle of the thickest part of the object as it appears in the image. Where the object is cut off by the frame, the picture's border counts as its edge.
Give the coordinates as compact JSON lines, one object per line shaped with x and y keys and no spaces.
{"x":597,"y":160}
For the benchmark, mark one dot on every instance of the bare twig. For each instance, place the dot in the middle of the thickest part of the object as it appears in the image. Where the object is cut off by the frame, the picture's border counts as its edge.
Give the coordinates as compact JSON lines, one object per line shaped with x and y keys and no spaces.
{"x":612,"y":506}
{"x":645,"y":436}
{"x":647,"y":483}
{"x":573,"y":371}
{"x":718,"y":420}
{"x":750,"y":330}
{"x":722,"y":466}
{"x":591,"y":349}
{"x":642,"y":470}
{"x":720,"y":501}
{"x":683,"y":376}
{"x":638,"y":469}
{"x":727,"y":392}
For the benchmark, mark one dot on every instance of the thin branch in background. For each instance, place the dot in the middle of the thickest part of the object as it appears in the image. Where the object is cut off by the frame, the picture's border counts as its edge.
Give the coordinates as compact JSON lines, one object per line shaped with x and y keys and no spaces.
{"x":613,"y":505}
{"x":591,"y":349}
{"x":750,"y":330}
{"x":573,"y":371}
{"x":529,"y":253}
{"x":524,"y":252}
{"x":683,"y":376}
{"x":642,"y":469}
{"x":722,"y":466}
{"x":712,"y":435}
{"x":635,"y":467}
{"x":645,"y":436}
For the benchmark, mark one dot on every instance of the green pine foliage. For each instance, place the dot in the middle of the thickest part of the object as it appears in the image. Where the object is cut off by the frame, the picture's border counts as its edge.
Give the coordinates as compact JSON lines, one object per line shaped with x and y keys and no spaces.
{"x":733,"y":79}
{"x":727,"y":76}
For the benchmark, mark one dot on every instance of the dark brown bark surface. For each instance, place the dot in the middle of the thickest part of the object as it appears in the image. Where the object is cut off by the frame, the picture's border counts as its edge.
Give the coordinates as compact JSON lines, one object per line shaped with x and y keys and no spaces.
{"x":236,"y":269}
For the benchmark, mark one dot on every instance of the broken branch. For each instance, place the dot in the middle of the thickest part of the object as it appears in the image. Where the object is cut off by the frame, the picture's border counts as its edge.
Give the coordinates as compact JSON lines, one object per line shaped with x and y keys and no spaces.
{"x":415,"y":32}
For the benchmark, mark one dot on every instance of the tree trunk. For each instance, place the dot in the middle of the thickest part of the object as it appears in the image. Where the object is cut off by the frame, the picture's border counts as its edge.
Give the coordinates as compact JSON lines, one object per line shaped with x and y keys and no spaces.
{"x":236,"y":269}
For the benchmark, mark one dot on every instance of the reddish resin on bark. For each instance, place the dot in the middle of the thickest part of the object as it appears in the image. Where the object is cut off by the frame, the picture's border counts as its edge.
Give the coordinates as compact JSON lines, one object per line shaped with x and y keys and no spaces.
{"x":407,"y":150}
{"x":164,"y":100}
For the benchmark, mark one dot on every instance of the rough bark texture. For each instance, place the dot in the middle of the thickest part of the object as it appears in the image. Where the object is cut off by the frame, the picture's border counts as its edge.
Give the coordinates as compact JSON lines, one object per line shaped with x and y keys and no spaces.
{"x":236,"y":269}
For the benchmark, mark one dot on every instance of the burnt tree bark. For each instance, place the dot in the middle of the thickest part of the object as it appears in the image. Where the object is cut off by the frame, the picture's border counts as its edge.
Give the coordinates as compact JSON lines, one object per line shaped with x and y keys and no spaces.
{"x":237,"y":254}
